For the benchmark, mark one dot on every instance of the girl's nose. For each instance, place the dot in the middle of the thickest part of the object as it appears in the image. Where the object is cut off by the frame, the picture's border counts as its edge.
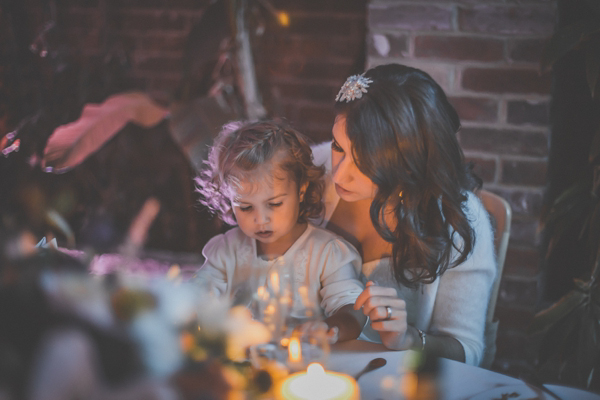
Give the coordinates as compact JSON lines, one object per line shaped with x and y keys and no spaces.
{"x":262,"y":217}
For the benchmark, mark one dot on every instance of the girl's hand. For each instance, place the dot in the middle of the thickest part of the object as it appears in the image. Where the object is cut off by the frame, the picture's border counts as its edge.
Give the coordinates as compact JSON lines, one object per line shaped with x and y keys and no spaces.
{"x":375,"y":302}
{"x":320,"y":328}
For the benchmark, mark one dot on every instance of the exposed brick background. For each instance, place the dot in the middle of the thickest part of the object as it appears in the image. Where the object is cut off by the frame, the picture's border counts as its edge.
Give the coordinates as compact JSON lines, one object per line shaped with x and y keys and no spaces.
{"x":485,"y":54}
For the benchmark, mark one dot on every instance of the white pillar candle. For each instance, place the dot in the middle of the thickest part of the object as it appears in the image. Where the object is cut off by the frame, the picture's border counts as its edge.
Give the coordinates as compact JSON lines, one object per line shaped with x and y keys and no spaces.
{"x":318,"y":384}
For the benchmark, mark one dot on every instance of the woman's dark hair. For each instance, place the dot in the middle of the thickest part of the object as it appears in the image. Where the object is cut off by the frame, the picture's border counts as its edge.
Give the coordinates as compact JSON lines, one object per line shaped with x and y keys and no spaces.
{"x":403,"y":135}
{"x":241,"y":148}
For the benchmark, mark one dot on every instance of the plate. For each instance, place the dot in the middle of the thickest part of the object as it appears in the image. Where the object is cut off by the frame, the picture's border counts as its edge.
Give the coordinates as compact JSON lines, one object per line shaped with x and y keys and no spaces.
{"x":511,"y":392}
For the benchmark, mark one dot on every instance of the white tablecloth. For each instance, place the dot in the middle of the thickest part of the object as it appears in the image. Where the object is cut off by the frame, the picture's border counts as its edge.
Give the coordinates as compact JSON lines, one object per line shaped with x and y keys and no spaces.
{"x":458,"y":380}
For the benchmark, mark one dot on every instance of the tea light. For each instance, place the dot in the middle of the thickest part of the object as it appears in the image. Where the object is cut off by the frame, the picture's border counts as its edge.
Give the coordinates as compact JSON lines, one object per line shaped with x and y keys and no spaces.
{"x":295,"y":354}
{"x":318,"y":384}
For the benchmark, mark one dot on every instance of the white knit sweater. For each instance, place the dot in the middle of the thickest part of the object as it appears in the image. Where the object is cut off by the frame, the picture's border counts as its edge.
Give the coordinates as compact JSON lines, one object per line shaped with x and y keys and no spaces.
{"x":455,"y":304}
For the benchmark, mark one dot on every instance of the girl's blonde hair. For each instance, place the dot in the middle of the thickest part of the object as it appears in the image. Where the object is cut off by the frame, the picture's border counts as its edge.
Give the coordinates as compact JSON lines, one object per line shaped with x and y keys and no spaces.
{"x":241,"y":148}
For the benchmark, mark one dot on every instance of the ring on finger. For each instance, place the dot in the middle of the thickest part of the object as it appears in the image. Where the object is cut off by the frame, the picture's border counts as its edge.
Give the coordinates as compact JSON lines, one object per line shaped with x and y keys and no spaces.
{"x":388,"y":310}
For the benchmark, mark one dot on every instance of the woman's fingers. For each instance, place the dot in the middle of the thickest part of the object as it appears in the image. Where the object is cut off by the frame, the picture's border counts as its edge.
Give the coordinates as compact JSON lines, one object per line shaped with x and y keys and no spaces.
{"x":380,"y":302}
{"x":372,"y":291}
{"x":392,"y":325}
{"x":381,"y":314}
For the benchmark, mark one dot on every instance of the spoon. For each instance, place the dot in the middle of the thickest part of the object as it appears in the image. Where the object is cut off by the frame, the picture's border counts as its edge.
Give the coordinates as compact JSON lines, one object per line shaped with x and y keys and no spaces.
{"x":371,"y":366}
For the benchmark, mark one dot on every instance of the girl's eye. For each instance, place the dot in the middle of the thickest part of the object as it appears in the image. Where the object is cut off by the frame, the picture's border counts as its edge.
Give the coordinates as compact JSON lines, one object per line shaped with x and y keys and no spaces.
{"x":275,"y":204}
{"x":336,"y":147}
{"x":246,"y":209}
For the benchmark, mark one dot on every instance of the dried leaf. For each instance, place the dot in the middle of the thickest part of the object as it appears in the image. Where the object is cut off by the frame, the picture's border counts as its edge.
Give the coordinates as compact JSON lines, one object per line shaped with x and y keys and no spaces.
{"x":70,"y":144}
{"x":545,"y":319}
{"x":559,"y":340}
{"x":565,"y":39}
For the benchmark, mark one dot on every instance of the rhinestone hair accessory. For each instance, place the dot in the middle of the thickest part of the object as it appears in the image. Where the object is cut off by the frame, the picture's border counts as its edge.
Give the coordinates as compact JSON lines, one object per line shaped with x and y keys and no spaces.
{"x":353,"y":88}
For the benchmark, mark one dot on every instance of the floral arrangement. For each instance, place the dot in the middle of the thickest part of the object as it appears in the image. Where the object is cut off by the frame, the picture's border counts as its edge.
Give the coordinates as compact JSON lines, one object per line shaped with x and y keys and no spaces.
{"x":195,"y":339}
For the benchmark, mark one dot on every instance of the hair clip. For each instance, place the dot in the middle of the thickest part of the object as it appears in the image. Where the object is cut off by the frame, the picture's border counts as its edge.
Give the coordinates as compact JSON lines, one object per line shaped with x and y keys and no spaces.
{"x":353,"y":88}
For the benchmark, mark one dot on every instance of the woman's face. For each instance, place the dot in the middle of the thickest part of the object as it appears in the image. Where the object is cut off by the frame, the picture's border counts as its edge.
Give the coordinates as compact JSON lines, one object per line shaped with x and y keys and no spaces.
{"x":350,"y":183}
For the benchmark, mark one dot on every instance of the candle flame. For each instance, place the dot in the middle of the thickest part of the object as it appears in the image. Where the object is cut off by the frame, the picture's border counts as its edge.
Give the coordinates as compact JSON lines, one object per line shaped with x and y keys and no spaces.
{"x":275,"y":282}
{"x":295,"y":350}
{"x":283,"y":18}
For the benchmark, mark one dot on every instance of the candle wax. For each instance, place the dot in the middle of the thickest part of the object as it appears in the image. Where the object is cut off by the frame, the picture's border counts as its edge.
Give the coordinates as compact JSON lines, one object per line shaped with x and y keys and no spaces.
{"x":318,"y":384}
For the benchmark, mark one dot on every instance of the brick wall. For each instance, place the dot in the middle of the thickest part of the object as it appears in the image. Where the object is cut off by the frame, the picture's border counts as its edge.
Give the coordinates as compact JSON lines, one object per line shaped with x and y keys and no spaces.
{"x":301,"y":67}
{"x":485,"y":54}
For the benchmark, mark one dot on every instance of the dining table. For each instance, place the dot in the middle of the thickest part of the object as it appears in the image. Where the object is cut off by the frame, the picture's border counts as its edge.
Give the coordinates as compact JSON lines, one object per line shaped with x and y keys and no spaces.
{"x":457,"y":380}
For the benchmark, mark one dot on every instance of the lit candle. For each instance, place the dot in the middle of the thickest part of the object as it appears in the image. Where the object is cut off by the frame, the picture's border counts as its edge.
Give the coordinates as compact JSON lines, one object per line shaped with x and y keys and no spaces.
{"x":318,"y":384}
{"x":295,"y":350}
{"x":294,"y":354}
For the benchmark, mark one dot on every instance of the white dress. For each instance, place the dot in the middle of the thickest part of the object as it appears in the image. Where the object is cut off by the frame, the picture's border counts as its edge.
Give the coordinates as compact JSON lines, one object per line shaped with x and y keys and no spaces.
{"x":455,"y":304}
{"x":327,"y":265}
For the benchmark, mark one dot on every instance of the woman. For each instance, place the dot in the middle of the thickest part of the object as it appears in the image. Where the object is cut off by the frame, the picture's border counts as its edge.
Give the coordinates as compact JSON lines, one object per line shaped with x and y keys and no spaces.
{"x":398,"y":189}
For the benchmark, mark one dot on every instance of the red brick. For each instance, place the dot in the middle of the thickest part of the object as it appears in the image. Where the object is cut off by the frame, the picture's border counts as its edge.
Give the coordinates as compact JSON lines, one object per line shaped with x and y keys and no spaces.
{"x":459,"y":48}
{"x":518,"y":293}
{"x":318,"y":114}
{"x":504,"y":141}
{"x":522,"y":261}
{"x":158,"y":63}
{"x":79,"y":3}
{"x":317,"y":133}
{"x":529,"y":173}
{"x":164,"y":83}
{"x":523,"y":231}
{"x":484,"y":168}
{"x":514,"y":318}
{"x":323,"y":25}
{"x":526,"y":50}
{"x":312,"y":47}
{"x":475,"y":108}
{"x":517,"y":20}
{"x":409,"y":17}
{"x":329,"y":6}
{"x":387,"y":45}
{"x":524,"y":202}
{"x":151,"y":20}
{"x":163,"y":42}
{"x":512,"y":348}
{"x":497,"y":80}
{"x":299,"y":68}
{"x":305,"y":91}
{"x":83,"y":19}
{"x":161,"y":4}
{"x":84,"y":38}
{"x":526,"y":112}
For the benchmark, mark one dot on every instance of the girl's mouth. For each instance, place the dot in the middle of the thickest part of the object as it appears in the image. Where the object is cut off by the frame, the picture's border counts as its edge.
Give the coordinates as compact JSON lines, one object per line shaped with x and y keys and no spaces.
{"x":264,"y":234}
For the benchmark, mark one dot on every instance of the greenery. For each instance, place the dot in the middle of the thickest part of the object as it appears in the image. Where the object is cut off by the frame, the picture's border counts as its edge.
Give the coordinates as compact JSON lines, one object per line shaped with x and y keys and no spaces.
{"x":569,"y":329}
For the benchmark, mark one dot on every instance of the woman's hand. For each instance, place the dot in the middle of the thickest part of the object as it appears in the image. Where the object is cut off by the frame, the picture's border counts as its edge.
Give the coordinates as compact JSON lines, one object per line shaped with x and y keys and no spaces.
{"x":392,"y":327}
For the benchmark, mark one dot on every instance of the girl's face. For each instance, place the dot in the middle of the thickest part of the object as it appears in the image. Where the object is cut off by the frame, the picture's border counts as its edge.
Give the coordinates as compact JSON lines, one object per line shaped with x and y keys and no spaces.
{"x":350,"y":183}
{"x":266,"y":209}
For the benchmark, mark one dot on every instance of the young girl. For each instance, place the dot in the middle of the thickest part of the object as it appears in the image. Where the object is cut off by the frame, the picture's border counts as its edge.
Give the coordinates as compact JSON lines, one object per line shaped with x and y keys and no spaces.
{"x":261,"y":177}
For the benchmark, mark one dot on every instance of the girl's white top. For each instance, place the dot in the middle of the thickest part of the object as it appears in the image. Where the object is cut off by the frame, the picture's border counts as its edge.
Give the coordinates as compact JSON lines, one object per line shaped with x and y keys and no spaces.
{"x":455,"y":304}
{"x":327,"y":265}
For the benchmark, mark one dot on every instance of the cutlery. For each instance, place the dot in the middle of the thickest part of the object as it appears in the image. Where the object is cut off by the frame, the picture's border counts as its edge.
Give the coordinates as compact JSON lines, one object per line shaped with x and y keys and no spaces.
{"x":371,"y":366}
{"x":534,"y":382}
